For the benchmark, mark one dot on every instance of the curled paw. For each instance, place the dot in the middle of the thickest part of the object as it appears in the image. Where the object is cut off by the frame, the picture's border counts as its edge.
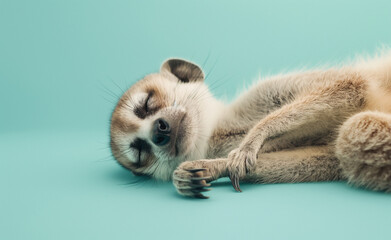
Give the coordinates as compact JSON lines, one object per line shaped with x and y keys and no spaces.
{"x":191,"y":182}
{"x":240,"y":162}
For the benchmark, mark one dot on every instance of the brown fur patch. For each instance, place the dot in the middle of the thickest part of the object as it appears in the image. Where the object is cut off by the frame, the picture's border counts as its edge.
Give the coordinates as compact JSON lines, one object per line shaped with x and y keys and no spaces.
{"x":124,"y":125}
{"x":159,"y":97}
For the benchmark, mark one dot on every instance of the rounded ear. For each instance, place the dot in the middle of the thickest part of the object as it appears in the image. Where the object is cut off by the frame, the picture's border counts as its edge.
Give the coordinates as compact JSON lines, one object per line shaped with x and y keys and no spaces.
{"x":185,"y":71}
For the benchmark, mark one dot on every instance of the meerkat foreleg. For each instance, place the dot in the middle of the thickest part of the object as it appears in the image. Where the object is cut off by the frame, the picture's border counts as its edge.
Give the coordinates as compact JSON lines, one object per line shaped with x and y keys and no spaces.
{"x":323,"y":110}
{"x":303,"y":164}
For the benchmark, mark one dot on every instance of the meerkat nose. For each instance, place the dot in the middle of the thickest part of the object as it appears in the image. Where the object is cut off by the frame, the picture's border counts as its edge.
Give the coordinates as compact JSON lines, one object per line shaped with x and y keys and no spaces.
{"x":161,"y":132}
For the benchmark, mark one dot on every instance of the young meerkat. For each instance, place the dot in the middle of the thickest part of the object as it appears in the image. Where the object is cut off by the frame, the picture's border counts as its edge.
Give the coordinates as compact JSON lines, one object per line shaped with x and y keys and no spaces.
{"x":317,"y":125}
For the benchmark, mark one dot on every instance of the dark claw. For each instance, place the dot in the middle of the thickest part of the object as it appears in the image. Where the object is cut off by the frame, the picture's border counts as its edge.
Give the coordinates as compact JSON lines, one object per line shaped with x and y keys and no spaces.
{"x":195,"y":170}
{"x":235,"y":182}
{"x":199,"y":190}
{"x":200,"y":185}
{"x":199,"y":195}
{"x":199,"y":178}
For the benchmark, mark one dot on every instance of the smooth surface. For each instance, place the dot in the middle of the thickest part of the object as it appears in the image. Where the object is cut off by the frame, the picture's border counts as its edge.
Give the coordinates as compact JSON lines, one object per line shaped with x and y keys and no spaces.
{"x":60,"y":64}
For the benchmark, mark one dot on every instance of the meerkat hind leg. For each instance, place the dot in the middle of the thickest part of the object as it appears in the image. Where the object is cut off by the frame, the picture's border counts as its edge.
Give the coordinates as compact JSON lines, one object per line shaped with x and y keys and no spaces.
{"x":364,"y":149}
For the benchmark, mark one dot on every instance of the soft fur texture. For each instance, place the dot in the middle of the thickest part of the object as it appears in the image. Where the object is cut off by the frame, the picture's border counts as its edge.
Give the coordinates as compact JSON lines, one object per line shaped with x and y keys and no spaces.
{"x":364,"y":149}
{"x":318,"y":125}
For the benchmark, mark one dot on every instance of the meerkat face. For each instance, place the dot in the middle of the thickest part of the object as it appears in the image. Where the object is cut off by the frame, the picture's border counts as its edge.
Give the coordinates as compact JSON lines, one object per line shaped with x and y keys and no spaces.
{"x":162,"y":120}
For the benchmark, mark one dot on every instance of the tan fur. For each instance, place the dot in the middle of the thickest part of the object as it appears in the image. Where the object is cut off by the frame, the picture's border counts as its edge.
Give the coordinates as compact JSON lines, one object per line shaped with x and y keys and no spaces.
{"x":364,"y":149}
{"x":318,"y":125}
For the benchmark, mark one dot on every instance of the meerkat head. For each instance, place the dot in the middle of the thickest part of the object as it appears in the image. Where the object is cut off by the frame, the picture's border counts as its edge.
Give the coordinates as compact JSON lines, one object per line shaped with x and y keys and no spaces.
{"x":163,"y":119}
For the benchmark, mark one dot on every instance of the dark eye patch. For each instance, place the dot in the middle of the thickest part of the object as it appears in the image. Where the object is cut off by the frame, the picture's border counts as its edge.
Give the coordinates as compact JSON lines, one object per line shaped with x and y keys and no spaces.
{"x":143,"y":110}
{"x":141,"y":146}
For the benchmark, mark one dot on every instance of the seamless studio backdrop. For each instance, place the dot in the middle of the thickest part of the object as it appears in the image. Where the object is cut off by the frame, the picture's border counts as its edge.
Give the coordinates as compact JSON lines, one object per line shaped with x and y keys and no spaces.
{"x":63,"y":66}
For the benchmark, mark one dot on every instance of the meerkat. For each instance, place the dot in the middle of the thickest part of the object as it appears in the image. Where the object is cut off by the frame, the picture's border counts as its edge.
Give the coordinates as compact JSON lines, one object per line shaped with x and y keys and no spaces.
{"x":308,"y":126}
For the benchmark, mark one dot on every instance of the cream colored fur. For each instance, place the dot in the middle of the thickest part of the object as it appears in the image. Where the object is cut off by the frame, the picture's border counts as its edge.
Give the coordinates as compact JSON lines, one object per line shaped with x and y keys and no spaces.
{"x":318,"y":125}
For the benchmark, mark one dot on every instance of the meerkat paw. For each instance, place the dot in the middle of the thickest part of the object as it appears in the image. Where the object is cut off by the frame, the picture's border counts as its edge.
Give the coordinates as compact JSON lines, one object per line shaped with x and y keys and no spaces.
{"x":240,"y":162}
{"x":191,"y":180}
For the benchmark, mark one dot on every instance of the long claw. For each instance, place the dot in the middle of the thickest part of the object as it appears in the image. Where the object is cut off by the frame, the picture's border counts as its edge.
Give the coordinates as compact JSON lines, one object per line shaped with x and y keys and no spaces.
{"x":235,"y":183}
{"x":199,"y":195}
{"x":200,"y":185}
{"x":199,"y":178}
{"x":199,"y":190}
{"x":195,"y":170}
{"x":181,"y":179}
{"x":232,"y":178}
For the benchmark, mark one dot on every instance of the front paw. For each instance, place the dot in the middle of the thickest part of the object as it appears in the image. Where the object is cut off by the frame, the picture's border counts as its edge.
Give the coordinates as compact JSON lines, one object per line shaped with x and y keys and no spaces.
{"x":240,"y":162}
{"x":190,"y":180}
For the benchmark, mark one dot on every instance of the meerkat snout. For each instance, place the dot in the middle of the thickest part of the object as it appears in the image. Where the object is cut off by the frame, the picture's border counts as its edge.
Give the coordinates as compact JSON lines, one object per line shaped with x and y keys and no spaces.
{"x":169,"y":133}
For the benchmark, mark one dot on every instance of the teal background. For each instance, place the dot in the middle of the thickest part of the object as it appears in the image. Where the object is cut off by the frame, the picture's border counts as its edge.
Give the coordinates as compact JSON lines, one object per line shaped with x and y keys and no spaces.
{"x":60,"y":64}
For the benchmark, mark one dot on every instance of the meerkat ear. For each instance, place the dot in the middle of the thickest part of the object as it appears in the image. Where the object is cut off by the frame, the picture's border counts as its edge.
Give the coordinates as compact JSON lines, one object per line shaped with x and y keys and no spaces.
{"x":185,"y":71}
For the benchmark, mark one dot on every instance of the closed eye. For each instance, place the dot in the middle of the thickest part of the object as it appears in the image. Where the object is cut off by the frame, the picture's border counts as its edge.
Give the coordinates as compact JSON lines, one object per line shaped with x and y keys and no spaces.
{"x":146,"y":108}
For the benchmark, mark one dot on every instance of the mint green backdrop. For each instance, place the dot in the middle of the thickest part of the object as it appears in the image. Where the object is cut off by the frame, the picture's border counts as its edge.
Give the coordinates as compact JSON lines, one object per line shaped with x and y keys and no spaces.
{"x":60,"y":64}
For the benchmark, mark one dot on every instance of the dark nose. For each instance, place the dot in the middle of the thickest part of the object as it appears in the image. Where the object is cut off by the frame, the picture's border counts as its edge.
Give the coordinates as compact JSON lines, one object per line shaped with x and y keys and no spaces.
{"x":161,"y":132}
